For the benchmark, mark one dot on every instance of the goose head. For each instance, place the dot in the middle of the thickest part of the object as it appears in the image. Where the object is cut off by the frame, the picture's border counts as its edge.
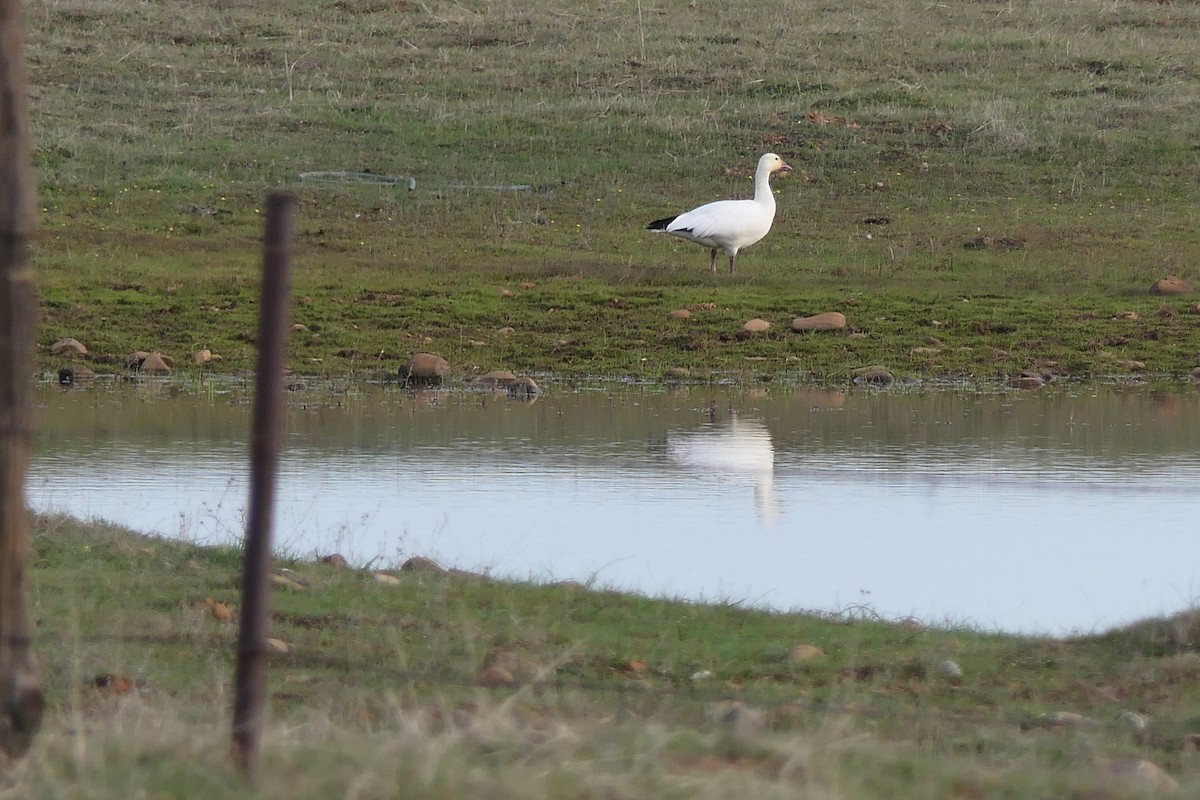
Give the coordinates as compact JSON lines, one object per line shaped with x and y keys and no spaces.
{"x":773,"y":163}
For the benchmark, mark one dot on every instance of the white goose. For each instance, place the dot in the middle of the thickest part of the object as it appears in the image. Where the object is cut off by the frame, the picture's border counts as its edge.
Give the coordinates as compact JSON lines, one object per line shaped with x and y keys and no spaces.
{"x":729,"y":225}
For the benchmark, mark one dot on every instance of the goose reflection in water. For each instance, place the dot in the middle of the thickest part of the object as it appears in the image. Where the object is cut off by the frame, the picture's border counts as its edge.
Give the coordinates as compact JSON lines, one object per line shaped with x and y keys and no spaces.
{"x":738,"y":449}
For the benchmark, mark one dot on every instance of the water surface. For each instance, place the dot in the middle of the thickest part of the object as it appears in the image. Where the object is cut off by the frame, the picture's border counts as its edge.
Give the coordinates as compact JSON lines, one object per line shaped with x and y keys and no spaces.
{"x":1048,"y":512}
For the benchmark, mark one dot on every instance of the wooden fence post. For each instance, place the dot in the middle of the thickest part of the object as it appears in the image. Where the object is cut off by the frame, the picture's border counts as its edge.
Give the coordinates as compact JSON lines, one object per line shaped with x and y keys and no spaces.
{"x":21,"y":699}
{"x":251,"y":675}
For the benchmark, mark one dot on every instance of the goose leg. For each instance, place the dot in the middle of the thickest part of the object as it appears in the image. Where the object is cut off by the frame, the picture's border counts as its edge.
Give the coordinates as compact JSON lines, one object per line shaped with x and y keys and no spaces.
{"x":712,"y":261}
{"x":732,"y":262}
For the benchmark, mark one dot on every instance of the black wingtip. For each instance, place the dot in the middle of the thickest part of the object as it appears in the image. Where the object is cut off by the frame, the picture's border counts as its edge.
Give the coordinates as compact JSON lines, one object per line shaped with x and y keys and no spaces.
{"x":660,"y":224}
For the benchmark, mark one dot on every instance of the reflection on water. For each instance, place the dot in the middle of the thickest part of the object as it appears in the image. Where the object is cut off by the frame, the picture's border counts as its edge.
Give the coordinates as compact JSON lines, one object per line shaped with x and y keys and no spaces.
{"x":737,"y":449}
{"x":1044,"y":512}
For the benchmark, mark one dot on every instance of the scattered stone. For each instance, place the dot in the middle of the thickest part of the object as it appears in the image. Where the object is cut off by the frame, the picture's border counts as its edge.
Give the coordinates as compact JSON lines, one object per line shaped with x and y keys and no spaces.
{"x":1131,"y":315}
{"x":993,"y":243}
{"x":1172,"y":284}
{"x":386,"y":579}
{"x":948,"y":670}
{"x":702,"y":675}
{"x":743,"y":723}
{"x":425,"y":368}
{"x":504,"y":292}
{"x":1133,"y":720}
{"x":1138,"y":773}
{"x":284,"y":582}
{"x":109,"y":683}
{"x":875,"y":375}
{"x":1061,"y":720}
{"x":827,"y":321}
{"x":1131,"y":365}
{"x":299,"y":327}
{"x":680,"y":313}
{"x":68,"y":345}
{"x":203,"y":356}
{"x":155,"y":364}
{"x":756,"y":326}
{"x":524,"y":388}
{"x":497,"y":379}
{"x":336,"y":560}
{"x":276,"y":646}
{"x":1027,"y":381}
{"x":925,"y":351}
{"x":422,"y":564}
{"x":74,"y":374}
{"x":683,"y":373}
{"x":495,"y":677}
{"x":804,"y":652}
{"x":507,"y":330}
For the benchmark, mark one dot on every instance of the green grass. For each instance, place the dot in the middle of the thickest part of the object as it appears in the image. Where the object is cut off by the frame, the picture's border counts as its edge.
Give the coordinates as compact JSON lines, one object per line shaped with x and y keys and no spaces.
{"x":1067,"y":126}
{"x":378,"y":694}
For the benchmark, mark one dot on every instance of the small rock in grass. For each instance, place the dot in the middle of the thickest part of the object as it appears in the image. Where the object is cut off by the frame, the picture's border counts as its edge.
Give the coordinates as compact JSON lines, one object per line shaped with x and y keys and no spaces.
{"x":680,"y":313}
{"x":1061,"y":720}
{"x":425,"y":368}
{"x":422,"y":564}
{"x":507,"y":330}
{"x":743,"y":723}
{"x":276,"y":646}
{"x":756,"y":326}
{"x":1172,"y":284}
{"x":202,"y":356}
{"x":1131,"y":364}
{"x":702,"y":675}
{"x":949,"y":670}
{"x":495,"y":677}
{"x":1133,"y":720}
{"x":804,"y":652}
{"x":68,"y":345}
{"x":336,"y":560}
{"x":875,"y":375}
{"x":1138,"y":773}
{"x":386,"y":579}
{"x":683,"y":373}
{"x":827,"y":321}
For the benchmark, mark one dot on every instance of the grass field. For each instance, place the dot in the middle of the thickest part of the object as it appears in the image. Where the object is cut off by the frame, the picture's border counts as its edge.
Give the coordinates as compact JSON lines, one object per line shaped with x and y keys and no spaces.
{"x":982,"y":188}
{"x":386,"y":692}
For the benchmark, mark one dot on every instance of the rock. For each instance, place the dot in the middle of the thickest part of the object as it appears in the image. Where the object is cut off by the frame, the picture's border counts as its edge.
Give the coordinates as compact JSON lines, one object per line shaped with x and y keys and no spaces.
{"x":1131,"y":364}
{"x":1172,"y":284}
{"x":68,"y":345}
{"x":422,"y":564}
{"x":497,"y":379}
{"x":702,"y":675}
{"x":756,"y":326}
{"x":507,"y":330}
{"x":524,"y":388}
{"x":680,"y":313}
{"x":1133,"y":720}
{"x":336,"y":560}
{"x":743,"y":723}
{"x":276,"y":646}
{"x":76,"y":373}
{"x":155,"y":364}
{"x":284,"y":582}
{"x":948,"y":670}
{"x":495,"y":677}
{"x":425,"y":368}
{"x":203,"y":356}
{"x":683,"y":373}
{"x":828,"y":321}
{"x":875,"y":375}
{"x":1138,"y":773}
{"x":1060,"y":720}
{"x":1027,"y":381}
{"x":804,"y":652}
{"x":386,"y":579}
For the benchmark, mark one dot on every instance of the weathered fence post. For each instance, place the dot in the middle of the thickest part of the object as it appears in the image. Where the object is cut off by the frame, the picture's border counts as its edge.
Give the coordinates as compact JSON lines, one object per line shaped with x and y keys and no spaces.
{"x":21,"y":698}
{"x":251,"y":676}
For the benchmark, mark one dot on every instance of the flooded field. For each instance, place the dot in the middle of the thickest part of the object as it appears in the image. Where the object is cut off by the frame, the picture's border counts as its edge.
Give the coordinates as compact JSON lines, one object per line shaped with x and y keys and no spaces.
{"x":1054,"y":511}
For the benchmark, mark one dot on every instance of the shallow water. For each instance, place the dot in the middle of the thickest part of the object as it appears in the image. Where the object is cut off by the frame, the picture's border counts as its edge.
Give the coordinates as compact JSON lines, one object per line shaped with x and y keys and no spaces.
{"x":1047,"y":512}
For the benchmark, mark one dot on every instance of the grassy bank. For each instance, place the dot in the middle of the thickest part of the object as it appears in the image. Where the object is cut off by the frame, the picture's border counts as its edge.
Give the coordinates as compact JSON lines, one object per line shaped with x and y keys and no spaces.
{"x":452,"y":685}
{"x":981,"y":188}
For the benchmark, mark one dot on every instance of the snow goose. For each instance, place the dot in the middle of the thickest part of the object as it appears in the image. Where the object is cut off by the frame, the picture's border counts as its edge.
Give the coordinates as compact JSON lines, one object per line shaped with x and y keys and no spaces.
{"x":729,"y":225}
